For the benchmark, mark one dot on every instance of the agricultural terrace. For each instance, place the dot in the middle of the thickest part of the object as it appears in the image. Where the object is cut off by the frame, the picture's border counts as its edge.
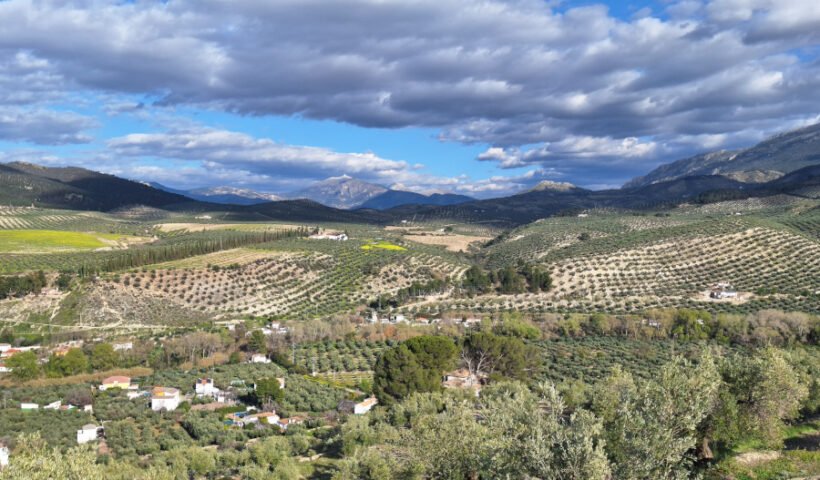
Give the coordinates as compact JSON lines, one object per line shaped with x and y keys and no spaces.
{"x":626,"y":263}
{"x":46,"y":241}
{"x":25,"y":218}
{"x":340,"y":355}
{"x":302,"y":278}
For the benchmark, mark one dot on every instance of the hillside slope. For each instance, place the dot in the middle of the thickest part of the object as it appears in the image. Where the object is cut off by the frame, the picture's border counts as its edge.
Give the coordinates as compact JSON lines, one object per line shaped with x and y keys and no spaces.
{"x":395,"y":198}
{"x":76,"y":188}
{"x":768,"y":160}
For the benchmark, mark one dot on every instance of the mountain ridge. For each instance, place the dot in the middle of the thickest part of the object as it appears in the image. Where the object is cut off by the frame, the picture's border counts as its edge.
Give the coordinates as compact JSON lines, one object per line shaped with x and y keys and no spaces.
{"x":769,"y":159}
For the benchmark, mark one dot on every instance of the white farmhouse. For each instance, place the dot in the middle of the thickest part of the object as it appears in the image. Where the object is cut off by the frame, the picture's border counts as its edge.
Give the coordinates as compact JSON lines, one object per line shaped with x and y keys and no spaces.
{"x":364,"y":406}
{"x":89,"y":433}
{"x":259,"y":358}
{"x":205,"y":387}
{"x":164,"y":398}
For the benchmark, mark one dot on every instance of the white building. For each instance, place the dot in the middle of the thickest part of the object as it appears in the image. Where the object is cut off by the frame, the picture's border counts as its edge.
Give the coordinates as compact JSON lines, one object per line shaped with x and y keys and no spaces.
{"x":364,"y":406}
{"x":53,"y":405}
{"x":89,"y":433}
{"x":205,"y":387}
{"x":136,"y":394}
{"x":165,"y":398}
{"x":119,"y":347}
{"x":339,"y":237}
{"x":259,"y":358}
{"x":4,"y":456}
{"x":29,"y":406}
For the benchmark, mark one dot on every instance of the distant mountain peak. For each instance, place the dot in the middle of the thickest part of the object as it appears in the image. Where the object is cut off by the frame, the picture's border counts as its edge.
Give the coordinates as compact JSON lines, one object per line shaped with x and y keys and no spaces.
{"x":550,"y":185}
{"x":340,"y":192}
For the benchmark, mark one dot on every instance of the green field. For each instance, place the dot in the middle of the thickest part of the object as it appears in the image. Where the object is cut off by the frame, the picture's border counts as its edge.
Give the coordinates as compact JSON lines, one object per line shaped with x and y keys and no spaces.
{"x":26,"y":241}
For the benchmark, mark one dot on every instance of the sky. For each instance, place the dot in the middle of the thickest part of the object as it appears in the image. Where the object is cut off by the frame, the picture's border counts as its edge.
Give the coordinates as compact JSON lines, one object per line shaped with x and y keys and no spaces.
{"x":478,"y":97}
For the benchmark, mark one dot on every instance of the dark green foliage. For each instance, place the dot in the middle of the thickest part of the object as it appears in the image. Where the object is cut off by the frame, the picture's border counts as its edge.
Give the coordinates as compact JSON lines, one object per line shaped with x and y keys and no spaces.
{"x":258,"y":342}
{"x":103,"y":357}
{"x":19,"y":286}
{"x":507,"y":280}
{"x":268,"y":391}
{"x":434,"y":353}
{"x":398,"y":374}
{"x":416,"y":365}
{"x":24,"y":366}
{"x":72,"y":363}
{"x":499,"y":357}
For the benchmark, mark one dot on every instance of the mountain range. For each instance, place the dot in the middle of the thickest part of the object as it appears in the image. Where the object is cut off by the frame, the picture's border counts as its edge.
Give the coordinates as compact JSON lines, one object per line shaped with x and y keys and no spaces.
{"x":787,"y":163}
{"x":338,"y":192}
{"x":766,"y":161}
{"x":223,"y":195}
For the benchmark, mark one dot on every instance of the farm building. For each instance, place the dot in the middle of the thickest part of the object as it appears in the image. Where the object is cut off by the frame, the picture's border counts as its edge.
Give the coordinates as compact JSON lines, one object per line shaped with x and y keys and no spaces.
{"x":259,"y":358}
{"x":357,"y":408}
{"x":117,"y":381}
{"x":89,"y":433}
{"x":364,"y":406}
{"x":284,"y":423}
{"x":722,"y":290}
{"x":165,"y":398}
{"x":204,"y":387}
{"x":29,"y":406}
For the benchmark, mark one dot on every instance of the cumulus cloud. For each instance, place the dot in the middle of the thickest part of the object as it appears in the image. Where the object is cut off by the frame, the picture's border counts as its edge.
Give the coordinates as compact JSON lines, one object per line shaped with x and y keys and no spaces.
{"x":541,"y":86}
{"x":202,"y":156}
{"x":44,"y":127}
{"x":260,"y":155}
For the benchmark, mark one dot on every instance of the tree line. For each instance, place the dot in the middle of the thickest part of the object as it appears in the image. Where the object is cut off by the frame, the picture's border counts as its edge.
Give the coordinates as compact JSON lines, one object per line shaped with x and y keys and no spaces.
{"x":152,"y":254}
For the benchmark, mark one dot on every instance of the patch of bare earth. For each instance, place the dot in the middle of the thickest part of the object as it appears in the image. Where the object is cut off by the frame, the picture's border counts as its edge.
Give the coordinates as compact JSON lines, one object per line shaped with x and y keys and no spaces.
{"x":751,"y":459}
{"x":453,"y":243}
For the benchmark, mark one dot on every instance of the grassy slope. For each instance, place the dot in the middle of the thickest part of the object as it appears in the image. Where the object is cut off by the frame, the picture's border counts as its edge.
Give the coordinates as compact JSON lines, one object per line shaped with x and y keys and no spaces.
{"x":53,"y":240}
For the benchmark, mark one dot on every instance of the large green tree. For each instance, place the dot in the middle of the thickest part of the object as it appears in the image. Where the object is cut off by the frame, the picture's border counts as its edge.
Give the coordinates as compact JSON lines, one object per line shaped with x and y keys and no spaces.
{"x":416,"y":365}
{"x":104,"y":357}
{"x":24,"y":366}
{"x":398,"y":373}
{"x":267,"y":391}
{"x":497,"y":356}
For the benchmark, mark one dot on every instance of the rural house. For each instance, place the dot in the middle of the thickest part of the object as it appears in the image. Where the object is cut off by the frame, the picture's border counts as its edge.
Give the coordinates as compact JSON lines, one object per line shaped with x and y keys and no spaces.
{"x":165,"y":398}
{"x":89,"y":433}
{"x":364,"y":406}
{"x":116,"y":381}
{"x":204,"y":387}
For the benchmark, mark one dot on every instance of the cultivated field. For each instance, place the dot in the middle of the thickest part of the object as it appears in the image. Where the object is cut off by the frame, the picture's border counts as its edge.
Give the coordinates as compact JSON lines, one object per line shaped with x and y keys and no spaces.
{"x":49,"y":241}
